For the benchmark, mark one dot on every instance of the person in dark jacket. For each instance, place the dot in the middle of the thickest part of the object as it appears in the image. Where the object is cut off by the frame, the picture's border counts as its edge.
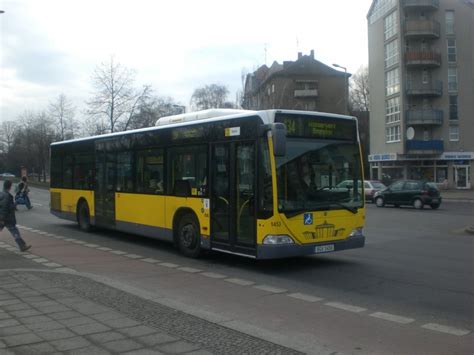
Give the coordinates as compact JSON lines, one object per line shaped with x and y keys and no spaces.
{"x":7,"y":215}
{"x":22,"y":194}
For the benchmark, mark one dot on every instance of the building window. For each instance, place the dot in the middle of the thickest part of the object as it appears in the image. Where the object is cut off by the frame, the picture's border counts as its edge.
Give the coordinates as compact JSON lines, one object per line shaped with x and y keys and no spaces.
{"x":392,"y":134}
{"x":449,"y":19}
{"x":451,"y":50}
{"x":381,"y":7}
{"x":390,"y":25}
{"x":392,"y":110}
{"x":273,"y":88}
{"x":452,"y":79}
{"x":425,"y":76}
{"x":453,"y":133}
{"x":392,"y":82}
{"x":453,"y":107}
{"x":391,"y":53}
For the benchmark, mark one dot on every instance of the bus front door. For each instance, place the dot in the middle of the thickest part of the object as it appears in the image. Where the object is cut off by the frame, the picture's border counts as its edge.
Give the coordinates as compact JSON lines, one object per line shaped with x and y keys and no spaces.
{"x":233,"y":220}
{"x":105,"y":189}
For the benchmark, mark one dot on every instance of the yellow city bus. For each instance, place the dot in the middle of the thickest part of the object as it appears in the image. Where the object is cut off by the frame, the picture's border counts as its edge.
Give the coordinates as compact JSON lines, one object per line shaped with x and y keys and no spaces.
{"x":260,"y":184}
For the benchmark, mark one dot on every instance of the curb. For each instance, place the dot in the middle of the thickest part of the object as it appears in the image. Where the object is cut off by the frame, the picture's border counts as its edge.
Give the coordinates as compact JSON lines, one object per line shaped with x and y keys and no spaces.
{"x":457,"y":200}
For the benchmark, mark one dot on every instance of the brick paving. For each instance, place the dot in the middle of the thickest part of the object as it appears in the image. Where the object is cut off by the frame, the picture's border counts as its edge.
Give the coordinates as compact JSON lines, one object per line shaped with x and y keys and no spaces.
{"x":54,"y":313}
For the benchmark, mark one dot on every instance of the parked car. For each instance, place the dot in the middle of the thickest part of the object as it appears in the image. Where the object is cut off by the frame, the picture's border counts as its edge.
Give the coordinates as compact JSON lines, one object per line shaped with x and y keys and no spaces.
{"x":415,"y":193}
{"x":7,"y":175}
{"x":370,"y":187}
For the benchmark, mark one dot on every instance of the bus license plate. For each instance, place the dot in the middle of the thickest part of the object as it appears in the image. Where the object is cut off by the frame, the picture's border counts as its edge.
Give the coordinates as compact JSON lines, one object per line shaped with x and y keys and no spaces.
{"x":324,"y":248}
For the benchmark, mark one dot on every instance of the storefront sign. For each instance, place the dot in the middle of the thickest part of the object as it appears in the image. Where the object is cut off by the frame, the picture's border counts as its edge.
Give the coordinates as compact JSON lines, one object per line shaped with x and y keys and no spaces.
{"x":457,"y":156}
{"x":383,"y":157}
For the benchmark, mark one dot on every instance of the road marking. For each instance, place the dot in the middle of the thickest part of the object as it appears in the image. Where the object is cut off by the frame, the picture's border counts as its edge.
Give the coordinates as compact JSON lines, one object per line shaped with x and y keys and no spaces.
{"x":41,"y":260}
{"x":118,"y":252}
{"x":270,"y":289}
{"x":189,"y":269}
{"x":170,"y":265}
{"x":240,"y":282}
{"x":304,"y":297}
{"x":52,"y":265}
{"x":392,"y":317}
{"x":66,"y":269}
{"x":446,"y":329}
{"x":346,"y":307}
{"x":30,"y":256}
{"x":214,"y":275}
{"x":151,"y":260}
{"x":36,"y":204}
{"x":133,"y":256}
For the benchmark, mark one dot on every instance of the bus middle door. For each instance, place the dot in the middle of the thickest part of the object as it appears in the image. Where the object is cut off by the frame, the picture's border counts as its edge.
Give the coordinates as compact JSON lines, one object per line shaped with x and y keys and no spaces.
{"x":233,"y":220}
{"x":106,"y":166}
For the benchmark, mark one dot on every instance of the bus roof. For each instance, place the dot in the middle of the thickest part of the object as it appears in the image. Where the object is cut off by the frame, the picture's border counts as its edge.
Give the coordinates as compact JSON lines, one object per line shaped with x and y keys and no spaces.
{"x":213,"y":115}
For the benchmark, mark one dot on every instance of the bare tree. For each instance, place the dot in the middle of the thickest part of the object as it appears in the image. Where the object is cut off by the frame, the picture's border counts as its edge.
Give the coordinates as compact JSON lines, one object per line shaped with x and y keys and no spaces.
{"x":359,"y":90}
{"x":62,"y":111}
{"x":114,"y":96}
{"x":151,"y":109}
{"x":7,"y":135}
{"x":30,"y":147}
{"x":210,"y":96}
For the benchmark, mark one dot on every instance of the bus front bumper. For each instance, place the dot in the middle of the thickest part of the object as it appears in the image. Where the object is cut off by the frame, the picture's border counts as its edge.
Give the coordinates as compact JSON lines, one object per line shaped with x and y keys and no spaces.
{"x":290,"y":250}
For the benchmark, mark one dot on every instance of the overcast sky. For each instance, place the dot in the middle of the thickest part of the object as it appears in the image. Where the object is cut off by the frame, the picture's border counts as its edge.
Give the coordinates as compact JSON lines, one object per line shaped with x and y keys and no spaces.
{"x":49,"y":47}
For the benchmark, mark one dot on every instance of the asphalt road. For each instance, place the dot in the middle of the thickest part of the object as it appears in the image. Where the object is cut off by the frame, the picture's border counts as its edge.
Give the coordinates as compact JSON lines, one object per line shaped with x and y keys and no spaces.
{"x":418,"y":264}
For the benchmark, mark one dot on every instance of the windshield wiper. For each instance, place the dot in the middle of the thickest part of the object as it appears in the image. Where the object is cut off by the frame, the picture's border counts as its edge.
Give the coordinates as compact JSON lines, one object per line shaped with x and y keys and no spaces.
{"x":348,"y":208}
{"x":295,"y":212}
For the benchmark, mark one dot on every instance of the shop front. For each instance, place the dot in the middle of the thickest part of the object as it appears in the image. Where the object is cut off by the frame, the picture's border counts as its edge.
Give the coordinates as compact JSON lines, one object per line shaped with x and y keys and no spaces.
{"x":449,"y":170}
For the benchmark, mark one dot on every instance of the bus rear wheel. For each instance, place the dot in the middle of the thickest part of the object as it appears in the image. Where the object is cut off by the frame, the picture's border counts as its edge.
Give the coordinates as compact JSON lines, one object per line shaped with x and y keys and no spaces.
{"x":83,"y":217}
{"x":189,"y":236}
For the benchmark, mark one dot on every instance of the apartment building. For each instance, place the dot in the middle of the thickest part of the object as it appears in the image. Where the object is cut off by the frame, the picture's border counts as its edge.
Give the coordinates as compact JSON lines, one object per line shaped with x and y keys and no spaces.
{"x":421,"y":78}
{"x":303,"y":84}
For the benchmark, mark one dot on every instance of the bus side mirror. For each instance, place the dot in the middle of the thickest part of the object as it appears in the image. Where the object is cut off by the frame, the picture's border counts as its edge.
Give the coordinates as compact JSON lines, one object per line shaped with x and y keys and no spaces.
{"x":279,"y":139}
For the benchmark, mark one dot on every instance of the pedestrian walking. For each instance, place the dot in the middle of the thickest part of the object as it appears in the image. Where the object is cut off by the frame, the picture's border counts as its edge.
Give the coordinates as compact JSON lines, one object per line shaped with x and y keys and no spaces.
{"x":7,"y":215}
{"x":21,"y":196}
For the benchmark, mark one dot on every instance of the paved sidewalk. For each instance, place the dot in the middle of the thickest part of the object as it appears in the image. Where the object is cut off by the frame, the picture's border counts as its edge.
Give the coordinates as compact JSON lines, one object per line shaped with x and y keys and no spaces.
{"x":458,"y":195}
{"x":54,"y":312}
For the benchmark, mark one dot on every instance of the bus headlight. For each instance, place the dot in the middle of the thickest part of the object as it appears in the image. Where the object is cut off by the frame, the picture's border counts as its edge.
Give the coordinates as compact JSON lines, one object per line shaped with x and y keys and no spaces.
{"x":278,"y":239}
{"x":356,"y":232}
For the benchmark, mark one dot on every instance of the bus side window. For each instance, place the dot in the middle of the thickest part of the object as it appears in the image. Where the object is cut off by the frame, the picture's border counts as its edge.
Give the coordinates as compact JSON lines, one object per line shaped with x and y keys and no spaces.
{"x":149,"y":171}
{"x":189,"y":164}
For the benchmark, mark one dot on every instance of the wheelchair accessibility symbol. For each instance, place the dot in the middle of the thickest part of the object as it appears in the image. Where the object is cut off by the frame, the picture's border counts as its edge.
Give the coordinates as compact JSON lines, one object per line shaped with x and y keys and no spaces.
{"x":308,"y":219}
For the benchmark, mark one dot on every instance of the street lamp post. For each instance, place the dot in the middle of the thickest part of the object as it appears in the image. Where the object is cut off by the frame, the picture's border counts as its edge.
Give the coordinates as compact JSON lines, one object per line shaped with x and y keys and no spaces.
{"x":346,"y":86}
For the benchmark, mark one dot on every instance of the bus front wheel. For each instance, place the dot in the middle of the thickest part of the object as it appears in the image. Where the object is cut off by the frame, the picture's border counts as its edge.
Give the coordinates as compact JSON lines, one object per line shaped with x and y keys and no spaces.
{"x":83,"y":217}
{"x":189,"y":236}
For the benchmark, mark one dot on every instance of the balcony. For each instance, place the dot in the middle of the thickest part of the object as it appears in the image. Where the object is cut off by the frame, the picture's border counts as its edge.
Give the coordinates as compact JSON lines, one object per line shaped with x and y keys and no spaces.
{"x":306,"y":93}
{"x":419,"y":88}
{"x":422,"y":28}
{"x":425,"y":147}
{"x":424,"y":117}
{"x":424,"y":57}
{"x":423,"y":5}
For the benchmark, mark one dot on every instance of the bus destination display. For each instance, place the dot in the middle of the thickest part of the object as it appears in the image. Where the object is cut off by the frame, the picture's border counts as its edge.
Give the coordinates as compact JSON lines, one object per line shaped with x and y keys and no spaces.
{"x":318,"y":127}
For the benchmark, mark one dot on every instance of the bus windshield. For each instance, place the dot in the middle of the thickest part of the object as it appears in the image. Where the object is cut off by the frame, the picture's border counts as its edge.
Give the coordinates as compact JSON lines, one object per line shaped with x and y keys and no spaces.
{"x":312,"y":174}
